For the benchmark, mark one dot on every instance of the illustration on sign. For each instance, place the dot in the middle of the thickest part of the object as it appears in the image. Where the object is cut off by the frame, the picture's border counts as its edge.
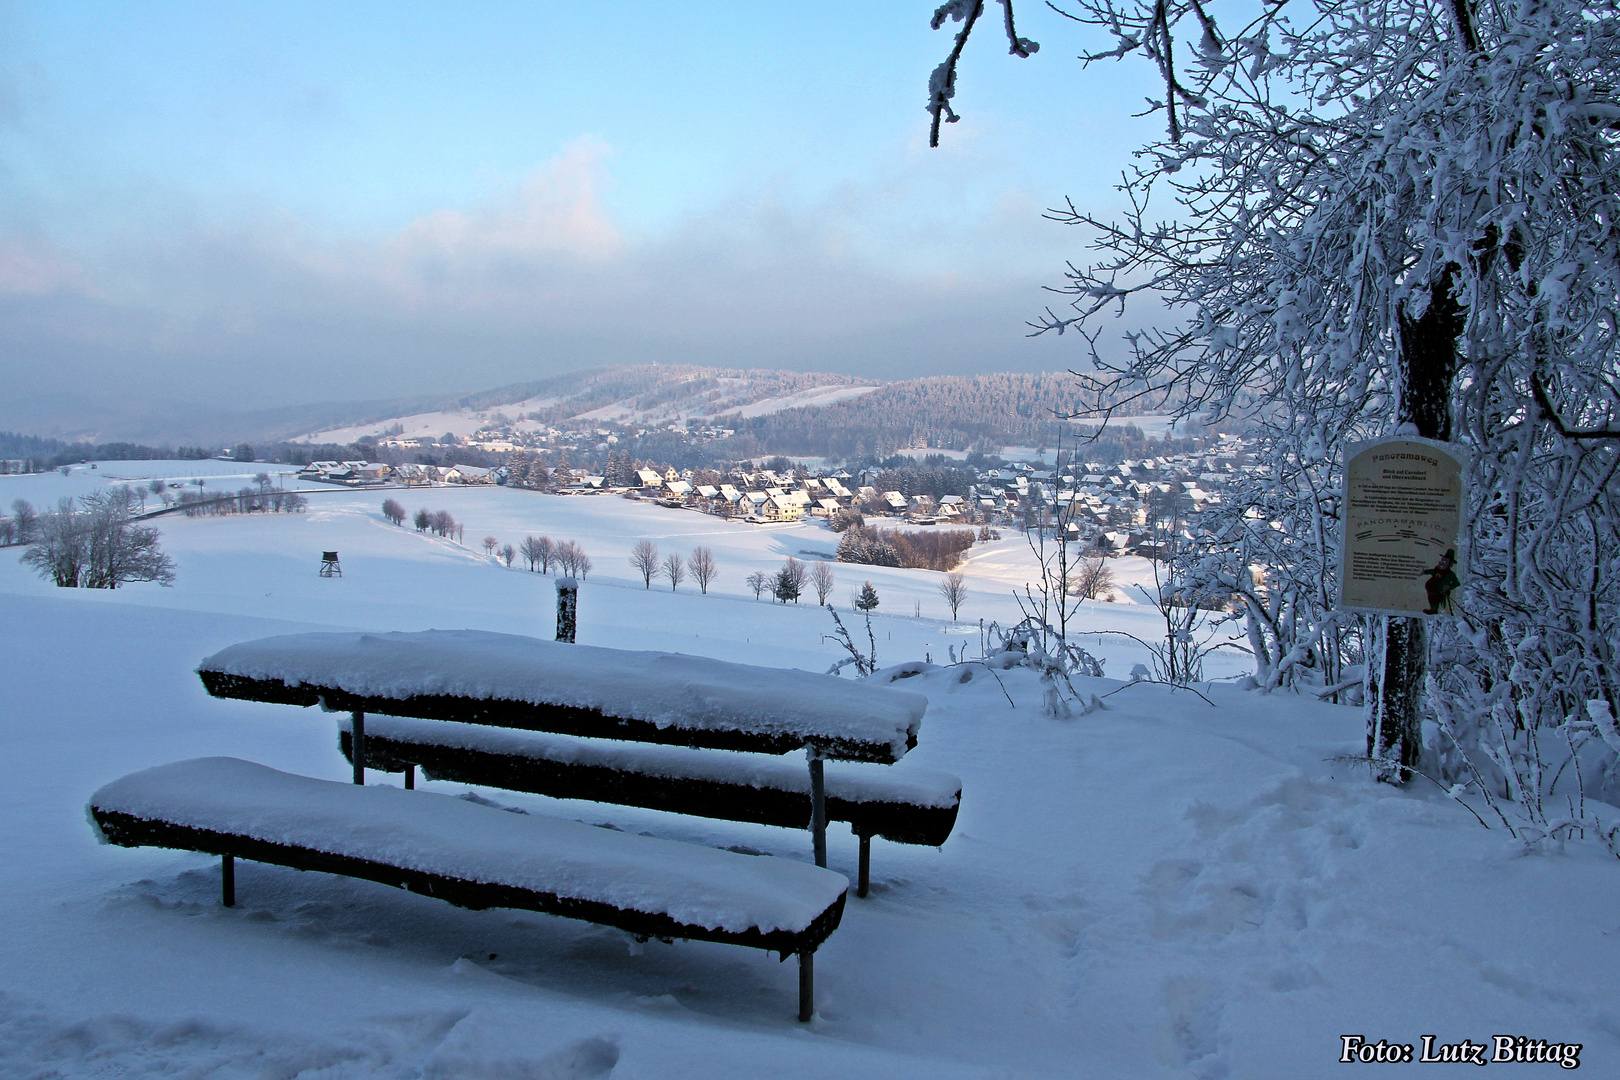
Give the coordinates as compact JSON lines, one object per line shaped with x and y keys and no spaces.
{"x":1403,"y":514}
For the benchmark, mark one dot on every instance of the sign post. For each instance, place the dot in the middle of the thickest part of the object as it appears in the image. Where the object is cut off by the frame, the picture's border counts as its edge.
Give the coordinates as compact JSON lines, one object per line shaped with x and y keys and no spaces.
{"x":1404,"y":542}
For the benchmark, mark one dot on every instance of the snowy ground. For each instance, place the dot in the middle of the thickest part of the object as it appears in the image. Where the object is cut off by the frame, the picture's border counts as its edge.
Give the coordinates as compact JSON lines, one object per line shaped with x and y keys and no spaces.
{"x":1164,"y":888}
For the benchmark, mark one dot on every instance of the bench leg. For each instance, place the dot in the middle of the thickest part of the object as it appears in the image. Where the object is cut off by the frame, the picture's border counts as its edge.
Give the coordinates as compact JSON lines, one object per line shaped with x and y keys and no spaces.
{"x":227,"y":878}
{"x":410,"y":777}
{"x":865,"y":879}
{"x":807,"y":986}
{"x":818,"y":808}
{"x":358,"y":746}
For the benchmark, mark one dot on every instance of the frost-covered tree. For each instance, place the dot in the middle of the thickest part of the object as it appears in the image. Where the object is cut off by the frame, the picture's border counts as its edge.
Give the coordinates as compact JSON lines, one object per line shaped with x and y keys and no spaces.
{"x":674,"y":570}
{"x":644,"y":557}
{"x":821,"y":579}
{"x":1093,"y":578}
{"x":1380,"y":216}
{"x":759,"y":581}
{"x":703,"y":567}
{"x":953,"y":587}
{"x":96,"y":546}
{"x":23,"y":519}
{"x":867,"y":599}
{"x":533,"y":550}
{"x":517,"y":468}
{"x":571,"y":559}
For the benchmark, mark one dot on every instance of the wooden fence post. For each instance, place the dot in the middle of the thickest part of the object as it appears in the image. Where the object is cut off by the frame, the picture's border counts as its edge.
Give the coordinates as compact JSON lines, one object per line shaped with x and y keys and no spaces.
{"x":567,"y":608}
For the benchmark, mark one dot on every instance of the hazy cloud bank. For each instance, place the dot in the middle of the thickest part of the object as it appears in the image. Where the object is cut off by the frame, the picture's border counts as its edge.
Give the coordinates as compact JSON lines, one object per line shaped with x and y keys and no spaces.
{"x":268,"y":311}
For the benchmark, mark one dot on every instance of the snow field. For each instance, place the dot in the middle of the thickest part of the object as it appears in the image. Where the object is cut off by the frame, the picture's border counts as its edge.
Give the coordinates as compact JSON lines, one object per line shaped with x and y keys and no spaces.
{"x":1162,"y":888}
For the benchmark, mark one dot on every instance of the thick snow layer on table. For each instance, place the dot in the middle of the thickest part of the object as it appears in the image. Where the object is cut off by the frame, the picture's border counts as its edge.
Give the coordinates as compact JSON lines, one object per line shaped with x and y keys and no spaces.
{"x":697,"y":886}
{"x":665,"y":689}
{"x":855,"y":781}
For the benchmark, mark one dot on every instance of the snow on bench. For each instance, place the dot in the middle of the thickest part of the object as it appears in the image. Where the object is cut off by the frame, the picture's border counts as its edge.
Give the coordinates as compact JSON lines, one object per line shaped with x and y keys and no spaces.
{"x":897,"y":802}
{"x":518,"y":682}
{"x":475,"y":856}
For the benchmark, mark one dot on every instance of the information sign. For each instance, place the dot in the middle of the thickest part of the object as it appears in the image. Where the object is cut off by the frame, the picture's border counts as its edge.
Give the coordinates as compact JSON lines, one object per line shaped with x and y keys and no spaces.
{"x":1404,"y":505}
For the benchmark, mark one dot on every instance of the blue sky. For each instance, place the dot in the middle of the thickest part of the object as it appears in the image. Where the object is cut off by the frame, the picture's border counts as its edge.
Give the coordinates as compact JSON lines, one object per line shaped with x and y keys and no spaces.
{"x":299,"y":202}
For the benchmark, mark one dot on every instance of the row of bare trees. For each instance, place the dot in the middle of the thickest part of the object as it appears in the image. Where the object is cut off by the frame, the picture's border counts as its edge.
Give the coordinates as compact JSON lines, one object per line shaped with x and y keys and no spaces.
{"x":542,"y":553}
{"x":439,"y":522}
{"x":701,"y":563}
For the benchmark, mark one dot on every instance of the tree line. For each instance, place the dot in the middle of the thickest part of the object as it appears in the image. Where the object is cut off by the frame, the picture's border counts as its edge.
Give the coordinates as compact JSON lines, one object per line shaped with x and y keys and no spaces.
{"x":672,"y":567}
{"x":541,"y":552}
{"x":913,"y":549}
{"x":952,"y":412}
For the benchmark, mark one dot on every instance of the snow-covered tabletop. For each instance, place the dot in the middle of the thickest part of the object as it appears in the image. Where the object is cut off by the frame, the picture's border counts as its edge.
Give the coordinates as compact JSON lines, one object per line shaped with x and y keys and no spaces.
{"x":509,"y":681}
{"x":719,"y":891}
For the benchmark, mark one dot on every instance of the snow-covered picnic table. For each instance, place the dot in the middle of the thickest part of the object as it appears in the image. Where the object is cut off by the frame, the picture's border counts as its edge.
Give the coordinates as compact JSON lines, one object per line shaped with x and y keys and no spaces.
{"x":505,"y":680}
{"x":479,"y":858}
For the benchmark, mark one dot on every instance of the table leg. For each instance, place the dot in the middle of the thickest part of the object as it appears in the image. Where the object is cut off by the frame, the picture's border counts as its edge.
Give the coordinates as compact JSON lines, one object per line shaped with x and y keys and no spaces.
{"x":807,"y":986}
{"x":358,"y":746}
{"x":818,"y":807}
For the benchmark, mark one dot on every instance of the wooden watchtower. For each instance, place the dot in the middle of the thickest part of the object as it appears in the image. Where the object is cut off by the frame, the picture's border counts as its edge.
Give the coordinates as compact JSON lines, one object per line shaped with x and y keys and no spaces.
{"x":329,"y":565}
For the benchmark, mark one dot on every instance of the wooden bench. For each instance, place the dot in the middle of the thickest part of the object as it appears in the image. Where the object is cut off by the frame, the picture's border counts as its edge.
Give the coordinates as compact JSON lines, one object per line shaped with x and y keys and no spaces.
{"x":476,"y":857}
{"x":899,"y":803}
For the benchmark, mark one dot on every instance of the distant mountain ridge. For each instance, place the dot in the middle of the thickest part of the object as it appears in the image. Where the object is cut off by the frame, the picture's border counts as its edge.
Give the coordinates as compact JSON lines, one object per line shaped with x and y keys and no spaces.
{"x":814,"y":414}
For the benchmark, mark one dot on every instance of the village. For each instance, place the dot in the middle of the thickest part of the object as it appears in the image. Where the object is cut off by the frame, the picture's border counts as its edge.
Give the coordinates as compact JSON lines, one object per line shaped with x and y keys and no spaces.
{"x":1122,"y":508}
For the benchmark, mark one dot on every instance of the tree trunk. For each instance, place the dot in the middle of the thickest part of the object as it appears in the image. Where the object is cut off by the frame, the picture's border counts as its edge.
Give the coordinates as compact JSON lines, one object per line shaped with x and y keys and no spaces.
{"x":1399,"y":654}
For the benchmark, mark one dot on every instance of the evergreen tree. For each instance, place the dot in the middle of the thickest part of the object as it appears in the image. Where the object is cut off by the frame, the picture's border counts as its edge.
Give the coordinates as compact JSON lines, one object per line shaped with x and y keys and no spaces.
{"x":868,"y":600}
{"x":517,"y":468}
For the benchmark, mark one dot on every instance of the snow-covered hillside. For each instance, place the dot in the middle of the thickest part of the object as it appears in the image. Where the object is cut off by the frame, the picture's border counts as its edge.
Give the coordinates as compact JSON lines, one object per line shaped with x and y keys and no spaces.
{"x":1162,"y":888}
{"x":678,"y":395}
{"x":431,"y":425}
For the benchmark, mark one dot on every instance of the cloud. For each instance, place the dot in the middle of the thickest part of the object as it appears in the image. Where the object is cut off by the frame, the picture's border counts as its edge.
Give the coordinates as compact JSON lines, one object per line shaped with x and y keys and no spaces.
{"x":536,"y":279}
{"x":556,"y":214}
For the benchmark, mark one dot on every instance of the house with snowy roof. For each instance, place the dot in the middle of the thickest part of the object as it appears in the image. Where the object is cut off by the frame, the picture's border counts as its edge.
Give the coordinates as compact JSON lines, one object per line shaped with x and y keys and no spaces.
{"x":781,"y":508}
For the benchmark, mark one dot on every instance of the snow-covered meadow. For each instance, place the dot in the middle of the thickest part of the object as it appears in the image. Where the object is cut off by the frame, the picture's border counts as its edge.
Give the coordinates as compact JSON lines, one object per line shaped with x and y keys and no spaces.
{"x":1163,"y":888}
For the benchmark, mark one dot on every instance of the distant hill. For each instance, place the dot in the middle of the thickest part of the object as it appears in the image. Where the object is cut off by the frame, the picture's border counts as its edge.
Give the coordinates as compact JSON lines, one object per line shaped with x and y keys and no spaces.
{"x":949,"y":412}
{"x":803,"y":413}
{"x":641,"y":396}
